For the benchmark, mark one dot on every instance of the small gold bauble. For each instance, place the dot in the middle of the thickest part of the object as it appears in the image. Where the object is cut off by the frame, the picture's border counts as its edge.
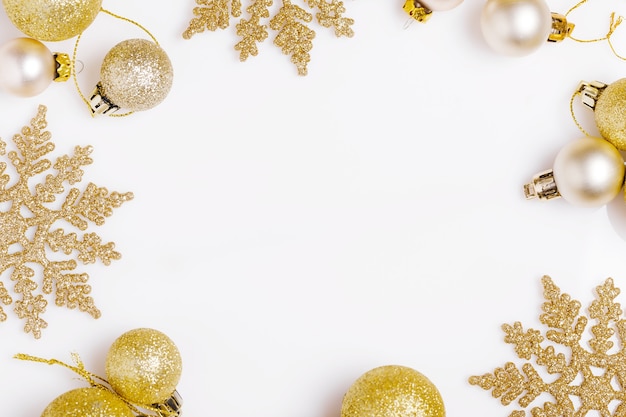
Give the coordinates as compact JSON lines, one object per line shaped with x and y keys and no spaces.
{"x":392,"y":391}
{"x":52,"y":20}
{"x":610,"y":113}
{"x":87,"y":402}
{"x":136,"y":74}
{"x":144,"y":366}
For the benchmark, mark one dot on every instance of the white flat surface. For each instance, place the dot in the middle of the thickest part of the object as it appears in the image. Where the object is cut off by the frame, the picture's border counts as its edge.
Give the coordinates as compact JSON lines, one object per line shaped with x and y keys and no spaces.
{"x":290,"y":233}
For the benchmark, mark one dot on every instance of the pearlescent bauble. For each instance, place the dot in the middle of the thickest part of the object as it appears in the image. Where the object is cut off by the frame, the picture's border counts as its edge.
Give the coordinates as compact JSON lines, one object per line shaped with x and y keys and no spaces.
{"x":589,"y":172}
{"x":52,"y":20}
{"x":87,"y":402}
{"x":516,"y":27}
{"x":610,"y":113}
{"x":136,"y":74}
{"x":440,"y":5}
{"x":27,"y":67}
{"x":392,"y":391}
{"x":144,"y":366}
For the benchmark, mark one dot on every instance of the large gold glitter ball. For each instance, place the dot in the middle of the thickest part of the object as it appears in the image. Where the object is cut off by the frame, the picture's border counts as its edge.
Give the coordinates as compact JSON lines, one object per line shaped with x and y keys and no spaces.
{"x":144,"y":366}
{"x":136,"y":74}
{"x":87,"y":402}
{"x":52,"y":20}
{"x":610,"y":114}
{"x":392,"y":391}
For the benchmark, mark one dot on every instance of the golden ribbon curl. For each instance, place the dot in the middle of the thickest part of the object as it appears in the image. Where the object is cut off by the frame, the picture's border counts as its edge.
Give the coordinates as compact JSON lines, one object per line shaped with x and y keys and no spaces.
{"x":613,"y":24}
{"x":91,"y":378}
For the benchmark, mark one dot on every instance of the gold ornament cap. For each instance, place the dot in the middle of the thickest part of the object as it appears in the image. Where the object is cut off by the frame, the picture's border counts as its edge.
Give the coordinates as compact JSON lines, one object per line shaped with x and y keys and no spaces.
{"x":87,"y":402}
{"x":52,"y":20}
{"x":136,"y":75}
{"x":393,"y":391}
{"x":144,"y":366}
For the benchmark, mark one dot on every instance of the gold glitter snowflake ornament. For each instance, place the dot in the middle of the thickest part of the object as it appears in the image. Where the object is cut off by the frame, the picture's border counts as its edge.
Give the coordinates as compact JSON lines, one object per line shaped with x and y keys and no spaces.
{"x":594,"y":377}
{"x":27,"y":226}
{"x":293,"y":37}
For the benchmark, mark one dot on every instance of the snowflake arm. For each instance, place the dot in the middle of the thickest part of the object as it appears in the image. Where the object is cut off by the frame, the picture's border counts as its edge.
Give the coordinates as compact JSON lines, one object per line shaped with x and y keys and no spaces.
{"x":251,"y":30}
{"x":212,"y":15}
{"x":294,"y":38}
{"x":18,"y":249}
{"x":331,"y":15}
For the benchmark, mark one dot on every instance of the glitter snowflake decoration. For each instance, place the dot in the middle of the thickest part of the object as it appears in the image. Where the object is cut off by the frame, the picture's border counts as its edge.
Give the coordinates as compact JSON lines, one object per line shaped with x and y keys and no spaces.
{"x":28,"y":232}
{"x":293,"y":37}
{"x":595,"y":377}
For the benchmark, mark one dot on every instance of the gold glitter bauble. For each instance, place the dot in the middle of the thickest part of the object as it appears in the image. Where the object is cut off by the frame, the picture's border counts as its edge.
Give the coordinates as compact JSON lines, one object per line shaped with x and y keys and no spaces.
{"x":392,"y":391}
{"x":610,"y":113}
{"x":52,"y":20}
{"x":144,"y":366}
{"x":136,"y":74}
{"x":87,"y":402}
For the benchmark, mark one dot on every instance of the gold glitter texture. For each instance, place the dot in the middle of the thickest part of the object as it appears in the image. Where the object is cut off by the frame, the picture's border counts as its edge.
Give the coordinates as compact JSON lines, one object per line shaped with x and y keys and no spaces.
{"x":610,"y":114}
{"x":27,"y":227}
{"x":87,"y":402}
{"x":144,"y":366}
{"x":52,"y":20}
{"x":293,"y":37}
{"x":596,"y":376}
{"x":392,"y":391}
{"x":136,"y":74}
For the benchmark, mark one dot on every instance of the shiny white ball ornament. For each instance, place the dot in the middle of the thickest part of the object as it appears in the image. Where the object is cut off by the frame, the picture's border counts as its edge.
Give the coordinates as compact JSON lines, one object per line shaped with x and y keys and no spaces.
{"x":440,"y":5}
{"x":516,"y":27}
{"x":589,"y":172}
{"x":27,"y":67}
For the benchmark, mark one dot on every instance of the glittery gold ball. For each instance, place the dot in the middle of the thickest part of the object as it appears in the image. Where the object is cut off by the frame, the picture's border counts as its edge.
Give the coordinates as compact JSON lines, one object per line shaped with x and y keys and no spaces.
{"x":144,"y":366}
{"x":136,"y":74}
{"x":52,"y":20}
{"x":392,"y":391}
{"x":610,"y":114}
{"x":87,"y":402}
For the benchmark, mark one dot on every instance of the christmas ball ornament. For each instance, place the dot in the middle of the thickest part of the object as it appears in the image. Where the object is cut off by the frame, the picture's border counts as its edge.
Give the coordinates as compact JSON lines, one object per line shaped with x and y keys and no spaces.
{"x":52,"y":20}
{"x":136,"y":75}
{"x":441,"y":5}
{"x":144,"y":366}
{"x":392,"y":391}
{"x":587,"y":172}
{"x":609,"y":105}
{"x":87,"y":402}
{"x":28,"y":67}
{"x":516,"y":27}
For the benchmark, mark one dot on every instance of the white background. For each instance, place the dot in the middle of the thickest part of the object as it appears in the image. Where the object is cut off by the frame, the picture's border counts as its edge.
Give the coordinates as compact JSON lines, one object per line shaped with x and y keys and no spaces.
{"x":290,"y":233}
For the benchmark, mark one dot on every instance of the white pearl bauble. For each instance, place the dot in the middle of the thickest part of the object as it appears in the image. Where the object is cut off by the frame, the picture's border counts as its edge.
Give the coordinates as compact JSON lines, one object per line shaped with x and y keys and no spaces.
{"x":440,"y":5}
{"x":27,"y":67}
{"x":516,"y":27}
{"x":589,"y":172}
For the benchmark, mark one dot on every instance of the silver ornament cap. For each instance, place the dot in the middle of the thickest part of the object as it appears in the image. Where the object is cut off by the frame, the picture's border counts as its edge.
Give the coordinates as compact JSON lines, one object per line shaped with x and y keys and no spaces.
{"x":136,"y":75}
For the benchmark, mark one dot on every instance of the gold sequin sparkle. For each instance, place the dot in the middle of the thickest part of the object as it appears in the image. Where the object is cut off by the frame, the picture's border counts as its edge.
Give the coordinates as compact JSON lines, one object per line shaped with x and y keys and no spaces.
{"x":28,"y":227}
{"x":596,"y":375}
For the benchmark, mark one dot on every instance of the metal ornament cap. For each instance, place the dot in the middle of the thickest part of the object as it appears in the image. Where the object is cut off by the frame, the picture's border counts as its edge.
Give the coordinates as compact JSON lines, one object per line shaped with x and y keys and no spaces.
{"x":52,"y":20}
{"x":392,"y":391}
{"x":589,"y":172}
{"x":136,"y":75}
{"x":516,"y":27}
{"x":610,"y":113}
{"x":87,"y":402}
{"x":144,"y":366}
{"x":441,"y":5}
